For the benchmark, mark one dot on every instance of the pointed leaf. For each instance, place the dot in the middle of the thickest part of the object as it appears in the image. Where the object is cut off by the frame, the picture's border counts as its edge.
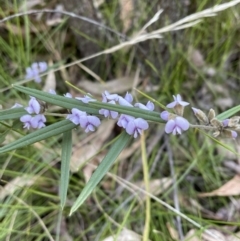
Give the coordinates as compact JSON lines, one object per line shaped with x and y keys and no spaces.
{"x":102,"y":169}
{"x":91,"y":107}
{"x":228,"y":113}
{"x":12,"y":113}
{"x":133,"y":111}
{"x":220,"y":143}
{"x":65,"y":165}
{"x":39,"y":135}
{"x":58,"y":100}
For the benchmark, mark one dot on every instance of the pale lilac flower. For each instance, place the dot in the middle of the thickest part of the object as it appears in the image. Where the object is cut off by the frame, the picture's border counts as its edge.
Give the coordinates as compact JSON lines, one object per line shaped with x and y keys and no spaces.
{"x":109,"y":96}
{"x":148,"y":106}
{"x":34,"y":71}
{"x":68,"y":95}
{"x":225,"y":122}
{"x":27,"y":120}
{"x":51,"y":91}
{"x":177,"y":101}
{"x":164,"y":115}
{"x":124,"y":102}
{"x":89,"y":122}
{"x":33,"y":106}
{"x":16,"y":105}
{"x":124,"y":119}
{"x":106,"y":113}
{"x":38,"y":121}
{"x":39,"y":67}
{"x":85,"y":99}
{"x":128,"y":97}
{"x":177,"y":125}
{"x":136,"y":126}
{"x":76,"y":116}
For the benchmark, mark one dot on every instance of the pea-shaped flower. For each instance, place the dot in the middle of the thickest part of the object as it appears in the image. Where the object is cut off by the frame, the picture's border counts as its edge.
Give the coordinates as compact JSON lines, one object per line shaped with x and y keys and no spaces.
{"x":148,"y":106}
{"x":178,"y":105}
{"x":136,"y":126}
{"x":34,"y":71}
{"x":86,"y":99}
{"x":126,"y":101}
{"x":89,"y":122}
{"x":33,"y":106}
{"x":27,"y":120}
{"x":107,"y":96}
{"x":109,"y":113}
{"x":38,"y":121}
{"x":124,"y":119}
{"x":177,"y":125}
{"x":76,"y":115}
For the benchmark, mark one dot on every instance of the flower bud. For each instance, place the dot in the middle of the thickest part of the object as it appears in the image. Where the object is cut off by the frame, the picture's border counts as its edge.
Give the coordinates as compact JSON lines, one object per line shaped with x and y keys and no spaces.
{"x":165,"y":115}
{"x":200,"y":115}
{"x":229,"y":134}
{"x":211,"y":114}
{"x":233,"y":121}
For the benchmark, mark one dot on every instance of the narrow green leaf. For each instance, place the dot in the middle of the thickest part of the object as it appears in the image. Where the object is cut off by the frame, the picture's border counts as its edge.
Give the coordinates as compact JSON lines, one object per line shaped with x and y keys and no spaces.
{"x":65,"y":165}
{"x":39,"y":135}
{"x":14,"y":113}
{"x":136,"y":112}
{"x":58,"y":100}
{"x":228,"y":113}
{"x":3,"y":136}
{"x":220,"y":143}
{"x":91,"y":107}
{"x":102,"y":169}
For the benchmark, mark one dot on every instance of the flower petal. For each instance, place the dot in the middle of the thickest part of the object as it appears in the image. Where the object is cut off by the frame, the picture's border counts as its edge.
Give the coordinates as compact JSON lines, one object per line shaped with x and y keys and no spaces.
{"x":164,"y":115}
{"x":130,"y":128}
{"x":128,"y":97}
{"x":123,"y":102}
{"x":170,"y":126}
{"x":182,"y":123}
{"x":172,"y":104}
{"x":141,"y":124}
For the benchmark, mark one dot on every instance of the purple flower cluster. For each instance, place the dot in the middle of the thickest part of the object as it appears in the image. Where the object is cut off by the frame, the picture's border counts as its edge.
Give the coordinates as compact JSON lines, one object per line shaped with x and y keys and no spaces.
{"x":133,"y":126}
{"x":81,"y":118}
{"x":35,"y":120}
{"x":175,"y":123}
{"x":34,"y":71}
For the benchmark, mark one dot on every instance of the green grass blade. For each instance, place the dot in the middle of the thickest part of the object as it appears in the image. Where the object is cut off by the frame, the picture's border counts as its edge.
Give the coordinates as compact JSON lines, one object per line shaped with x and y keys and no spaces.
{"x":228,"y":113}
{"x":39,"y":135}
{"x":58,"y":100}
{"x":91,"y":107}
{"x":102,"y":169}
{"x":65,"y":166}
{"x":14,"y":113}
{"x":220,"y":143}
{"x":136,"y":112}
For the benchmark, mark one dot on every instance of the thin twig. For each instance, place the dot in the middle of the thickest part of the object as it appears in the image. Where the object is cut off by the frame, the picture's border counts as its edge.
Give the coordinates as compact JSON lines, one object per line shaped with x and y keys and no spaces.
{"x":146,"y":183}
{"x":70,"y":14}
{"x":175,"y":189}
{"x":210,"y":128}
